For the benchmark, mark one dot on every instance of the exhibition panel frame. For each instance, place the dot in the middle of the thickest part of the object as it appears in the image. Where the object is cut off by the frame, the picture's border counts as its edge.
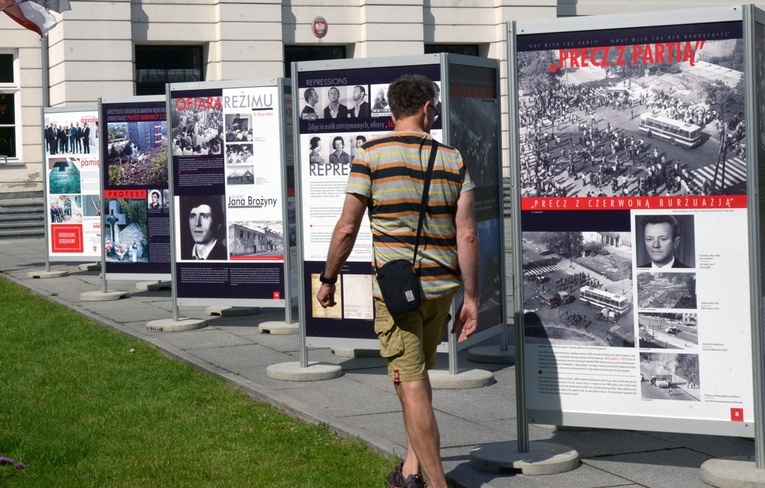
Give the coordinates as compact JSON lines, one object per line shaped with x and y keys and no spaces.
{"x":469,"y":105}
{"x":228,"y":185}
{"x":136,"y":195}
{"x":631,"y":172}
{"x":72,"y":185}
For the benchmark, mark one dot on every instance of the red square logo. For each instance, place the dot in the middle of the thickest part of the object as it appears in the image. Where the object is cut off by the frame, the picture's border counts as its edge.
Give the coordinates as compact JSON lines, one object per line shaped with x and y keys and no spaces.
{"x":276,"y":295}
{"x":736,"y":414}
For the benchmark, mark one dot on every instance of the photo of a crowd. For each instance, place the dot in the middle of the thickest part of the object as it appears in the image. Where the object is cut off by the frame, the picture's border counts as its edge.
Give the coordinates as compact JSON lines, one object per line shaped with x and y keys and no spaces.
{"x":655,"y":129}
{"x":197,"y":132}
{"x":137,"y":153}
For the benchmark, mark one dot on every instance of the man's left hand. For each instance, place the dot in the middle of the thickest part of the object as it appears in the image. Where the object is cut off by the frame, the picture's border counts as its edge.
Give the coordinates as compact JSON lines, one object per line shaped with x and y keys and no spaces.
{"x":326,"y":295}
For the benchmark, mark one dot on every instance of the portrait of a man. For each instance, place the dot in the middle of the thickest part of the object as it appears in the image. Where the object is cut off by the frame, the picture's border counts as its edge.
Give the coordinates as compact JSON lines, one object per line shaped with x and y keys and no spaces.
{"x":360,"y":104}
{"x":155,"y":202}
{"x":203,"y":236}
{"x":662,"y":241}
{"x":335,"y":109}
{"x":309,"y":109}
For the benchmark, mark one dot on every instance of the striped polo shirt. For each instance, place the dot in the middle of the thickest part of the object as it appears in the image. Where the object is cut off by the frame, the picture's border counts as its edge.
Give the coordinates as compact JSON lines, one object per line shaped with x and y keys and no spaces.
{"x":390,"y":171}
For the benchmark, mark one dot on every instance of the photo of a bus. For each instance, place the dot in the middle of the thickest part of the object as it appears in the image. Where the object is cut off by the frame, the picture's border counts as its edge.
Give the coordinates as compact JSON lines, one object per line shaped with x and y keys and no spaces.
{"x":598,"y":298}
{"x":677,"y":132}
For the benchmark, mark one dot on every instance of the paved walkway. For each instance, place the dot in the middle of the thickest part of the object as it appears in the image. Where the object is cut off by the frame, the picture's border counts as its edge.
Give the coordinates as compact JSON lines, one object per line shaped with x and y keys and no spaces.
{"x":362,"y":403}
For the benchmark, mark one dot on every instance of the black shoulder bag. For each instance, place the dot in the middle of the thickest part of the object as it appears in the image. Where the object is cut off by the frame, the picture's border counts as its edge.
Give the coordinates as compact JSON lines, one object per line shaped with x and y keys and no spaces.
{"x":398,"y":281}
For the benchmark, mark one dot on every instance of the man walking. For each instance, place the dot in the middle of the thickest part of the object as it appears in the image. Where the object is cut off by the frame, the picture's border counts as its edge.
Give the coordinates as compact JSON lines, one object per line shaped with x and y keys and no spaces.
{"x":387,"y":176}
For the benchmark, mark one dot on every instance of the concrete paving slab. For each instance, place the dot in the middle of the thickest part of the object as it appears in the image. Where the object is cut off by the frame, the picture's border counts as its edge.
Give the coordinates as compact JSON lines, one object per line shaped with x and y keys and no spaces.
{"x":666,"y":468}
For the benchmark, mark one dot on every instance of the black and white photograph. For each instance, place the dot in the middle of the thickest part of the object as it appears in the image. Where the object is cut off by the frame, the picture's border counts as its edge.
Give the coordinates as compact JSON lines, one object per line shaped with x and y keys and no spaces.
{"x":255,"y":240}
{"x":309,"y":104}
{"x":379,"y":102}
{"x":155,"y":201}
{"x":358,"y":105}
{"x":242,"y":174}
{"x":669,"y":376}
{"x":197,"y":132}
{"x":203,"y":227}
{"x":667,"y":330}
{"x":661,"y":129}
{"x":665,"y":241}
{"x":578,"y":288}
{"x":238,"y":127}
{"x":336,"y":101}
{"x":91,"y":205}
{"x":665,"y":290}
{"x":239,"y":154}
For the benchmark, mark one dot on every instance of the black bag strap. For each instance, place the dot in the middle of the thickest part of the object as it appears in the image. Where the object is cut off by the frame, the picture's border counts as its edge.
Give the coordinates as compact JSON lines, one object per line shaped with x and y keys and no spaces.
{"x":425,"y":197}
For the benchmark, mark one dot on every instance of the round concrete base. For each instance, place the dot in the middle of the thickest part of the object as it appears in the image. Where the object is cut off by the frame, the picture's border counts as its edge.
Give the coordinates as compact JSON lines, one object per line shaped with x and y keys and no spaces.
{"x":279,"y":328}
{"x":542,"y":458}
{"x":100,"y":296}
{"x":463,"y":380}
{"x":733,"y":473}
{"x":491,"y":355}
{"x":44,"y":275}
{"x":153,"y":285}
{"x":232,"y":311}
{"x":169,"y":325}
{"x":349,"y":352}
{"x":90,"y":267}
{"x":313,"y":372}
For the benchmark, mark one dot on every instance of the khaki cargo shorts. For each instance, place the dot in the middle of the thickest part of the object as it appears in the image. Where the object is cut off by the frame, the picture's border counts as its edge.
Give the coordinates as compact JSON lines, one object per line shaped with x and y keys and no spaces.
{"x":409,"y":343}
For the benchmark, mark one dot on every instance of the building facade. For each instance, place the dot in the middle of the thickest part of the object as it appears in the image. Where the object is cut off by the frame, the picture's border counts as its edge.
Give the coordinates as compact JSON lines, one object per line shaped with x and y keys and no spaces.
{"x":133,"y":47}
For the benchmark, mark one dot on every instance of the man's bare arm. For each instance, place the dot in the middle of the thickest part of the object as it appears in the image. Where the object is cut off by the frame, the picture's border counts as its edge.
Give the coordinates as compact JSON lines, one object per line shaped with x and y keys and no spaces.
{"x":467,"y":254}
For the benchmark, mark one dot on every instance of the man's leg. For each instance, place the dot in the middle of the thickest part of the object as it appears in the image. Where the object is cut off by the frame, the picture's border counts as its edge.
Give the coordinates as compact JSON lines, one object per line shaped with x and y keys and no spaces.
{"x":423,"y":439}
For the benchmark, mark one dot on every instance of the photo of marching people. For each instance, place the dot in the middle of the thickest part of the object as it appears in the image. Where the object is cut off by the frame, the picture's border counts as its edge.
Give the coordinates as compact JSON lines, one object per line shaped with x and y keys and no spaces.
{"x":577,"y":288}
{"x":197,"y":132}
{"x":137,"y":153}
{"x":474,"y":129}
{"x":656,"y":129}
{"x":667,"y":376}
{"x":667,"y":330}
{"x":666,"y":290}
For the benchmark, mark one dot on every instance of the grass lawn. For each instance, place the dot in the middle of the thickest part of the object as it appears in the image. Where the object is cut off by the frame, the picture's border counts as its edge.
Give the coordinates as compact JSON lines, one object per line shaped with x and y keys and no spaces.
{"x":82,"y":405}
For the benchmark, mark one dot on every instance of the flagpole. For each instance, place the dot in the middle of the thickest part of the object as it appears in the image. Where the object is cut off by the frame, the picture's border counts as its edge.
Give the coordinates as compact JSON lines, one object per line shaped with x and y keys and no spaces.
{"x":45,"y":103}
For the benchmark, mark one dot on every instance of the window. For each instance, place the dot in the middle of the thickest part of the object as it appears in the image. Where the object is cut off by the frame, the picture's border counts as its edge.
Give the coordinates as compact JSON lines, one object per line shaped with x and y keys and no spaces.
{"x":10,"y":128}
{"x":157,"y":65}
{"x":466,"y":49}
{"x":310,"y":53}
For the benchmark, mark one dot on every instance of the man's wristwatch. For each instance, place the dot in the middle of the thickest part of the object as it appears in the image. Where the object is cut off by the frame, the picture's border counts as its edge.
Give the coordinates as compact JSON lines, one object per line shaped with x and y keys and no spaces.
{"x":325,"y":280}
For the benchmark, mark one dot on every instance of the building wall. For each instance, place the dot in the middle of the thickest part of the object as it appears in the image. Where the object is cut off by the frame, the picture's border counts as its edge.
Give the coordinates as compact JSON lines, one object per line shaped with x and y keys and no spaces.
{"x":91,"y":50}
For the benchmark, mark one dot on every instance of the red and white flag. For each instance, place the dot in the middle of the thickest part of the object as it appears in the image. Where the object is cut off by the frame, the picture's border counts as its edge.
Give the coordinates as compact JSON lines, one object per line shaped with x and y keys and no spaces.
{"x":29,"y":14}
